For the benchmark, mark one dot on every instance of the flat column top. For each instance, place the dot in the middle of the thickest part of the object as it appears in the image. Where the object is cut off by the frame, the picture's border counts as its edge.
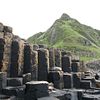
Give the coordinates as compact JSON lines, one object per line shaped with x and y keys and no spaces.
{"x":37,"y":82}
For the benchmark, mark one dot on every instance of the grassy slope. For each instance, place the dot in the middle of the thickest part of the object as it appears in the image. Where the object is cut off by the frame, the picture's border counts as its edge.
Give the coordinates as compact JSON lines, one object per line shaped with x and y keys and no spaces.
{"x":73,"y":36}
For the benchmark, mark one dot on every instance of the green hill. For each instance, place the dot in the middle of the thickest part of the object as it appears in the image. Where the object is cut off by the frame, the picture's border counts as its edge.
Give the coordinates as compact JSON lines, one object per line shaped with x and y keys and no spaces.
{"x":71,"y":35}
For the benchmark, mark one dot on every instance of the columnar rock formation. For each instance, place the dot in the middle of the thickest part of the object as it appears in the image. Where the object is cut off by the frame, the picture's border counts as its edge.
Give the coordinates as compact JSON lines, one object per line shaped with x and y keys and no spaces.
{"x":24,"y":69}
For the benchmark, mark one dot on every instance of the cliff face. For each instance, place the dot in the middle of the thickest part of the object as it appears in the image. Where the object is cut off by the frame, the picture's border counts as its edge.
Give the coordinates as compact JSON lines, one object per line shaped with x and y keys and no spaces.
{"x":68,"y":33}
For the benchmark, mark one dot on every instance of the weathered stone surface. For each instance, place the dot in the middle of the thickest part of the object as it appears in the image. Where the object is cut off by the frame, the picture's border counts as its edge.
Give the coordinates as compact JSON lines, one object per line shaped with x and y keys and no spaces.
{"x":76,"y":80}
{"x":18,"y":91}
{"x":57,"y":53}
{"x":75,"y":66}
{"x":7,"y":52}
{"x":90,"y":97}
{"x":61,"y":95}
{"x":5,"y":97}
{"x":36,"y":89}
{"x":66,"y":63}
{"x":97,"y":82}
{"x":14,"y":81}
{"x":2,"y":35}
{"x":27,"y":59}
{"x":48,"y":98}
{"x":14,"y":59}
{"x":56,"y":77}
{"x":27,"y":77}
{"x":2,"y":42}
{"x":34,"y":70}
{"x":35,"y":47}
{"x":7,"y":29}
{"x":85,"y":84}
{"x":91,"y":79}
{"x":1,"y":27}
{"x":21,"y":57}
{"x":3,"y":80}
{"x":67,"y":80}
{"x":43,"y":64}
{"x":51,"y":58}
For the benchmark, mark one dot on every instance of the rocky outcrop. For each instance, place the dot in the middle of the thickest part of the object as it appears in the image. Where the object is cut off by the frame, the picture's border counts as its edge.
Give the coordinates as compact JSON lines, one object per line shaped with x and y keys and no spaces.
{"x":26,"y":70}
{"x":94,"y":65}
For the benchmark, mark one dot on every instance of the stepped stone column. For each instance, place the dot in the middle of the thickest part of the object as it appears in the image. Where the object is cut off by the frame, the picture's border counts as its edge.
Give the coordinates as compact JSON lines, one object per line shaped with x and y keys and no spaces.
{"x":75,"y":66}
{"x":7,"y":51}
{"x":56,"y":77}
{"x":67,"y":80}
{"x":51,"y":58}
{"x":57,"y":53}
{"x":36,"y":89}
{"x":3,"y":80}
{"x":2,"y":43}
{"x":76,"y":77}
{"x":27,"y":59}
{"x":66,"y":63}
{"x":14,"y":58}
{"x":34,"y":70}
{"x":43,"y":64}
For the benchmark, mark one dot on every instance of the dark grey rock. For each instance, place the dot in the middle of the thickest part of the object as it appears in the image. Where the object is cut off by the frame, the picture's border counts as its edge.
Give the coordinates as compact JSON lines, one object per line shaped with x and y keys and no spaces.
{"x":56,"y":77}
{"x":26,"y":77}
{"x":2,"y":42}
{"x":8,"y":29}
{"x":66,"y":63}
{"x":57,"y":53}
{"x":36,"y":89}
{"x":90,"y":97}
{"x":14,"y":81}
{"x":27,"y":59}
{"x":17,"y":91}
{"x":75,"y":66}
{"x":51,"y":58}
{"x":76,"y":80}
{"x":14,"y":59}
{"x":85,"y":84}
{"x":43,"y":64}
{"x":1,"y":27}
{"x":60,"y":94}
{"x":3,"y":80}
{"x":67,"y":80}
{"x":5,"y":97}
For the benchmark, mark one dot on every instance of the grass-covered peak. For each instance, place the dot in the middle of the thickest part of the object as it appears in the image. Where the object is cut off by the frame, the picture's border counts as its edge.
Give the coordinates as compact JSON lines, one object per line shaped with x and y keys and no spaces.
{"x":71,"y":35}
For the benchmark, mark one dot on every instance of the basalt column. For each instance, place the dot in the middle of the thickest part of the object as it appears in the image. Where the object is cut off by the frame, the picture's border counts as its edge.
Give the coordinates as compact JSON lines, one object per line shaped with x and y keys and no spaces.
{"x":34,"y":70}
{"x":43,"y":64}
{"x":66,"y":64}
{"x":21,"y":57}
{"x":7,"y":51}
{"x":14,"y":58}
{"x":75,"y":66}
{"x":27,"y":59}
{"x":51,"y":58}
{"x":57,"y":53}
{"x":2,"y":42}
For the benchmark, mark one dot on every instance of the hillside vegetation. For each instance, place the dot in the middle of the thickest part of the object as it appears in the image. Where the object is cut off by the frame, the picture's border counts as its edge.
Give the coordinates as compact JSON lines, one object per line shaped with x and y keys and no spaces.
{"x":71,"y":35}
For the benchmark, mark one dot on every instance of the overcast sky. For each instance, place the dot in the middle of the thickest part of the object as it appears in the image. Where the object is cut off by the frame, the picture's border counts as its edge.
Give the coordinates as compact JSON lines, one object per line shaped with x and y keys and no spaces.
{"x":28,"y":17}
